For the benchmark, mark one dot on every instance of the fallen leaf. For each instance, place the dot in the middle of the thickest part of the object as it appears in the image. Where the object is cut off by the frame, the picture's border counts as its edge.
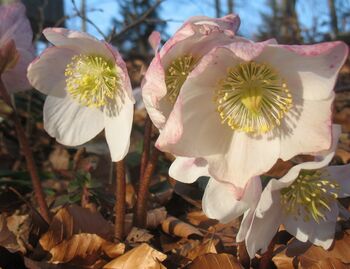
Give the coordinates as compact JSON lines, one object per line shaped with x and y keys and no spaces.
{"x":8,"y":239}
{"x":211,"y":261}
{"x":174,"y":226}
{"x":141,"y":257}
{"x":343,"y":155}
{"x":72,"y":220}
{"x":204,"y":248}
{"x":138,"y":235}
{"x":85,"y":247}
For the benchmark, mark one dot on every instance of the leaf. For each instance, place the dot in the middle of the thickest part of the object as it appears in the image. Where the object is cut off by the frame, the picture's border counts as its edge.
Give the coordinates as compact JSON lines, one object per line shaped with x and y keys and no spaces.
{"x":174,"y":226}
{"x":138,"y":235}
{"x":85,"y":246}
{"x":220,"y":261}
{"x":204,"y":248}
{"x":72,"y":220}
{"x":59,"y":158}
{"x":141,"y":257}
{"x":7,"y":238}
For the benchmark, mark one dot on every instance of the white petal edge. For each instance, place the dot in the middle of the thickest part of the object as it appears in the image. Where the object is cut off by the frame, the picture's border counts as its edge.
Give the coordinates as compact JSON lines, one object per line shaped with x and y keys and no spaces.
{"x":188,"y":170}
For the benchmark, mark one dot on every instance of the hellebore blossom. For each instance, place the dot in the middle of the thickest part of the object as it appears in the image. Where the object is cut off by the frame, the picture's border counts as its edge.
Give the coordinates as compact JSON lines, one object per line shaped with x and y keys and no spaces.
{"x":247,"y":104}
{"x":178,"y":57}
{"x":16,"y":48}
{"x":88,"y":90}
{"x":304,"y":201}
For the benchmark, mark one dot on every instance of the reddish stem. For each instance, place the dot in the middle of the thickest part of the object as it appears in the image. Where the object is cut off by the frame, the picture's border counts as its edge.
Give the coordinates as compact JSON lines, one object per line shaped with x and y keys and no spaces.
{"x":142,"y":195}
{"x":146,"y":145}
{"x":120,"y":193}
{"x":24,"y":144}
{"x":242,"y":255}
{"x":266,"y":258}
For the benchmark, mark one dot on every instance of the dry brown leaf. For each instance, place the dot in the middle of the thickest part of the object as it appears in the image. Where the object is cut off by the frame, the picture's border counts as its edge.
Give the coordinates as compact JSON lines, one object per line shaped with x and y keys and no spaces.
{"x":204,"y":248}
{"x":138,"y":235}
{"x":220,"y":261}
{"x":59,"y":158}
{"x":72,"y":220}
{"x":343,"y":118}
{"x":141,"y":257}
{"x":283,"y":261}
{"x":85,"y":247}
{"x":130,"y":196}
{"x":174,"y":226}
{"x":343,"y":155}
{"x":7,"y":239}
{"x":280,"y":168}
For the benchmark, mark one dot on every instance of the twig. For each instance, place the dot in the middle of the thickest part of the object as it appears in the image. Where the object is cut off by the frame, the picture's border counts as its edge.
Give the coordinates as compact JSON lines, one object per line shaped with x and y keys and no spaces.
{"x":120,"y":193}
{"x":142,"y":195}
{"x":146,"y":145}
{"x":83,"y":17}
{"x":24,"y":144}
{"x":136,"y":22}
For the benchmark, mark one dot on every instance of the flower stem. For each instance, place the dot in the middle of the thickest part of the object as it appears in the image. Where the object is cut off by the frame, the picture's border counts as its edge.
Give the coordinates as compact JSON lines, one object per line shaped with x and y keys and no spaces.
{"x":266,"y":258}
{"x":141,"y":203}
{"x":120,"y":200}
{"x":146,"y":145}
{"x":242,"y":255}
{"x":24,"y":144}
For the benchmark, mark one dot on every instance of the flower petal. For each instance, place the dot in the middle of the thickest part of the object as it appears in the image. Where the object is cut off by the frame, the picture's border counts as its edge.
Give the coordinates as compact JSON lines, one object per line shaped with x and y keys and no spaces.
{"x":78,"y":41}
{"x":262,"y":230}
{"x":341,"y":174}
{"x":306,"y":129}
{"x":320,"y":234}
{"x":70,"y":123}
{"x":188,"y":170}
{"x":15,"y":79}
{"x":46,"y":72}
{"x":310,"y":71}
{"x":118,"y":129}
{"x":15,"y":25}
{"x":220,"y":202}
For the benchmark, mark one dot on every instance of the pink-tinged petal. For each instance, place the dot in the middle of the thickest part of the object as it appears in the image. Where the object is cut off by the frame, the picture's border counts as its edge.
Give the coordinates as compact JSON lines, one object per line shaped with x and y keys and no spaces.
{"x":306,"y":128}
{"x":15,"y":79}
{"x":46,"y":72}
{"x":81,"y":42}
{"x":126,"y":84}
{"x":153,"y":89}
{"x":188,"y":170}
{"x":220,"y":199}
{"x":154,"y":40}
{"x":341,"y":174}
{"x":310,"y":71}
{"x":245,"y":225}
{"x":15,"y":25}
{"x":245,"y":157}
{"x":70,"y":123}
{"x":262,"y":230}
{"x":118,"y":129}
{"x":228,"y":23}
{"x":320,"y":234}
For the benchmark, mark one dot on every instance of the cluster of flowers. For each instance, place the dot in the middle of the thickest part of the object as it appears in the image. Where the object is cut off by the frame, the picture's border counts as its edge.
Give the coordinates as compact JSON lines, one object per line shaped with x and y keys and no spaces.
{"x":226,"y":107}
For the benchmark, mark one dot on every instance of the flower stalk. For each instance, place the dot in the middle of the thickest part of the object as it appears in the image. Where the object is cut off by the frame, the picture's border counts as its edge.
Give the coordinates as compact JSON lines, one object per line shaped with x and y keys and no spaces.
{"x":266,"y":258}
{"x":120,"y":193}
{"x":142,"y":195}
{"x":24,"y":144}
{"x":146,"y":145}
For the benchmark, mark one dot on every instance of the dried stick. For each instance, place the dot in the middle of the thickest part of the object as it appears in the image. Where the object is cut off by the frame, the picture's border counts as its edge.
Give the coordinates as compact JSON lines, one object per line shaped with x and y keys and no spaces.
{"x":120,"y":193}
{"x":24,"y":144}
{"x":146,"y":145}
{"x":142,"y":194}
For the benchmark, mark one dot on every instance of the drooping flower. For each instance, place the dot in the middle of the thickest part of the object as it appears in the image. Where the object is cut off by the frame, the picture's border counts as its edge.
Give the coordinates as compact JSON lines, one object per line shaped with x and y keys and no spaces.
{"x":304,"y":201}
{"x":247,"y":104}
{"x":88,"y":90}
{"x":16,"y":48}
{"x":178,"y":57}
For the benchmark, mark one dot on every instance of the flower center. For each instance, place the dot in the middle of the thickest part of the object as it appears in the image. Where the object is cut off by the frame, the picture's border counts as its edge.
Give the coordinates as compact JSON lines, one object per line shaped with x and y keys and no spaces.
{"x":310,"y":195}
{"x":92,"y":80}
{"x":176,"y":74}
{"x":252,"y":98}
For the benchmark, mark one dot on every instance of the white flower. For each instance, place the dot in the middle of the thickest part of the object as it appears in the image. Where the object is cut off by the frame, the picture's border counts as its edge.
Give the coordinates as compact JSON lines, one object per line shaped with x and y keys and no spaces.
{"x":304,"y":201}
{"x":88,"y":90}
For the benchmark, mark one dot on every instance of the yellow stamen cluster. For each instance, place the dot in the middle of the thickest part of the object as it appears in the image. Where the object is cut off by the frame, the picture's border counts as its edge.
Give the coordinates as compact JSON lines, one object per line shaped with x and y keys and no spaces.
{"x":92,"y":80}
{"x":310,"y":195}
{"x":253,"y":98}
{"x":176,"y":75}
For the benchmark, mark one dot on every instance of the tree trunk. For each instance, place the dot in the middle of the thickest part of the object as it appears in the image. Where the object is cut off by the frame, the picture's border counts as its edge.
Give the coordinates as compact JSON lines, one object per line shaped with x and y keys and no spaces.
{"x":230,"y":5}
{"x":218,"y":8}
{"x":334,"y":19}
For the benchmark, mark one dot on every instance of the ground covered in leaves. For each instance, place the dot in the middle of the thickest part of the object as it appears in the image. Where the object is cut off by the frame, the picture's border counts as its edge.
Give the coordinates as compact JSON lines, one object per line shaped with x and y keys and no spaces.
{"x":79,"y":184}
